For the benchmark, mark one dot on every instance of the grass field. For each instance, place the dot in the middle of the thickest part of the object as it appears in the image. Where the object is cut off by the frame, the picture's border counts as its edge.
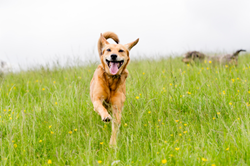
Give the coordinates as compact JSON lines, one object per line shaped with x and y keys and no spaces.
{"x":174,"y":114}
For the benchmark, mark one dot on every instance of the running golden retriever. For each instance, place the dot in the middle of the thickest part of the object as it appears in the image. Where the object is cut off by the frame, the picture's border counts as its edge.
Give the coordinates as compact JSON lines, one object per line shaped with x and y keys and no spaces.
{"x":107,"y":87}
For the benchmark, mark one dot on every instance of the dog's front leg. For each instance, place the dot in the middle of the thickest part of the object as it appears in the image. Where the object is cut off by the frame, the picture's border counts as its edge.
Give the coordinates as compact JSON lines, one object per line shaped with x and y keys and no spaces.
{"x":101,"y":110}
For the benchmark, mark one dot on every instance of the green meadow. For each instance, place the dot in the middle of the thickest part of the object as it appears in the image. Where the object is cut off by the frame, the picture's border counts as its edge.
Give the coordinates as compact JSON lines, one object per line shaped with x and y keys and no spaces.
{"x":174,"y":114}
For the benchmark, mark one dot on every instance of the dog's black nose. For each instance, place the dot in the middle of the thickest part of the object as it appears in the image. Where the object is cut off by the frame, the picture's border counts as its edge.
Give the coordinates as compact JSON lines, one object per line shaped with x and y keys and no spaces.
{"x":113,"y":56}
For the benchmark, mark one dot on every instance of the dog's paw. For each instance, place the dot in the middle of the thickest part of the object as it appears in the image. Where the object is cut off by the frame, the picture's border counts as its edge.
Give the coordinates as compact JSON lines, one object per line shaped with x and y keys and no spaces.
{"x":106,"y":118}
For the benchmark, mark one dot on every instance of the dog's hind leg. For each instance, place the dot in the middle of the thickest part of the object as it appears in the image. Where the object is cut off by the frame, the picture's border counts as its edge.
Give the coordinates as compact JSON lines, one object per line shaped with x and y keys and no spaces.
{"x":101,"y":110}
{"x":117,"y":105}
{"x":116,"y":122}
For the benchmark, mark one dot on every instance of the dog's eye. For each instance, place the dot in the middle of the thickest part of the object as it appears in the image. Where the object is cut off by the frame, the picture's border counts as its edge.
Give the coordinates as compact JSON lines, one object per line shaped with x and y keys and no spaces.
{"x":108,"y":49}
{"x":121,"y":51}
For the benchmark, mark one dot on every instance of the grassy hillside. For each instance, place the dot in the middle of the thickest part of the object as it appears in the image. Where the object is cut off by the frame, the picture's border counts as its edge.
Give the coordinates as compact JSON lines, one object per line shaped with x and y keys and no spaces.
{"x":174,"y":114}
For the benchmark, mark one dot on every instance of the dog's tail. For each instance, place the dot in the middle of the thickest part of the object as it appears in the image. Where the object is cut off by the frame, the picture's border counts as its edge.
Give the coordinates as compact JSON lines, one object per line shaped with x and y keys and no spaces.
{"x":237,"y":52}
{"x":107,"y":35}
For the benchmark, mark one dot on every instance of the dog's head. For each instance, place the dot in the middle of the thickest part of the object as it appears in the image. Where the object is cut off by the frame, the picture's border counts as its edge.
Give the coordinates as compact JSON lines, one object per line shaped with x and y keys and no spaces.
{"x":114,"y":57}
{"x":193,"y":56}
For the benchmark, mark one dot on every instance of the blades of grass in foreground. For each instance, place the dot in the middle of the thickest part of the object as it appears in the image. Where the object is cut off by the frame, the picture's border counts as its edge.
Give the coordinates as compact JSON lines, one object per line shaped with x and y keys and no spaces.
{"x":174,"y":114}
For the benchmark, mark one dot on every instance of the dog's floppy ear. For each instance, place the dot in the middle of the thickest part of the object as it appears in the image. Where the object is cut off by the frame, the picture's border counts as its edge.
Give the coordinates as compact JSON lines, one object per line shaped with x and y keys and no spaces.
{"x":101,"y":43}
{"x":103,"y":40}
{"x":129,"y":46}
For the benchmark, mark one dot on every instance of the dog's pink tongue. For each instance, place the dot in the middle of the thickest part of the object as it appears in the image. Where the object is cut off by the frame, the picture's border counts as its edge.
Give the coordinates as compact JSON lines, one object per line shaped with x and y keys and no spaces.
{"x":113,"y":68}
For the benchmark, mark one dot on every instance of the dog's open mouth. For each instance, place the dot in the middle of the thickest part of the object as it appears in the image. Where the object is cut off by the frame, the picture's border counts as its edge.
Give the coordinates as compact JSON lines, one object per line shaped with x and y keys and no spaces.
{"x":114,"y":66}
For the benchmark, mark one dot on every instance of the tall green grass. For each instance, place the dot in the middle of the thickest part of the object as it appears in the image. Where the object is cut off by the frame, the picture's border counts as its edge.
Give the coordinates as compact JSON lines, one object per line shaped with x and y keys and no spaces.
{"x":174,"y":114}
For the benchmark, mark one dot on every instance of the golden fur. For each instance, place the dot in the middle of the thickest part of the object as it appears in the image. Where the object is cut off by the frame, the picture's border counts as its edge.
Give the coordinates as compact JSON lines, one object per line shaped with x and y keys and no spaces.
{"x":107,"y":90}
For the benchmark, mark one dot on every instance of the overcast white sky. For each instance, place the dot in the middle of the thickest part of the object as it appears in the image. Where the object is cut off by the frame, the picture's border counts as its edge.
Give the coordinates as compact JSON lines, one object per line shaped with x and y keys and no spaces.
{"x":34,"y":32}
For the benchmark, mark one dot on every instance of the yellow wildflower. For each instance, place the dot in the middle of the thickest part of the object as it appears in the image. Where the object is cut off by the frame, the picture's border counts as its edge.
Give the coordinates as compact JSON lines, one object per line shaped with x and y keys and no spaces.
{"x":164,"y":161}
{"x":70,"y":132}
{"x":218,"y":113}
{"x":41,"y":141}
{"x":177,"y":148}
{"x":75,"y":129}
{"x":101,"y":143}
{"x":125,"y":125}
{"x":49,"y":162}
{"x":203,"y":159}
{"x":227,"y":148}
{"x":99,"y":161}
{"x":137,"y":97}
{"x":15,"y":145}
